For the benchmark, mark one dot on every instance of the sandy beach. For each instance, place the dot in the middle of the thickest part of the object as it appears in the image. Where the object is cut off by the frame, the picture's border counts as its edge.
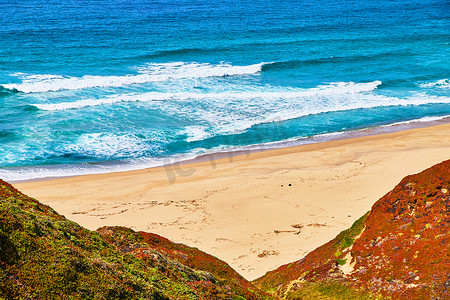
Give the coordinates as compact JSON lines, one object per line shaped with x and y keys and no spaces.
{"x":255,"y":211}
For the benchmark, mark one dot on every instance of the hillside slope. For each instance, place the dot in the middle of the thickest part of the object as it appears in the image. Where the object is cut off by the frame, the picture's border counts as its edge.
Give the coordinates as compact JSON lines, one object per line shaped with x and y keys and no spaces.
{"x":399,"y":250}
{"x":148,"y":245}
{"x":45,"y":256}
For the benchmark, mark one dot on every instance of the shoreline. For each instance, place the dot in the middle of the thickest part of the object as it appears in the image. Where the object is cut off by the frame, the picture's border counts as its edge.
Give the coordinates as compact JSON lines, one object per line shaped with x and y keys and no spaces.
{"x":255,"y":211}
{"x":244,"y":150}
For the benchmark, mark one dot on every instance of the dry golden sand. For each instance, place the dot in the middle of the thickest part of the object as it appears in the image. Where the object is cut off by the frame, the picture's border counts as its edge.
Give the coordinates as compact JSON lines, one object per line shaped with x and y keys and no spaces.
{"x":243,"y":210}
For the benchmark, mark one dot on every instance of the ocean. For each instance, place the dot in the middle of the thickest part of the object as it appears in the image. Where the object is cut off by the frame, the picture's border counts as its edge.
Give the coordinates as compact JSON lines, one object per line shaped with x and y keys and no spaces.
{"x":100,"y":86}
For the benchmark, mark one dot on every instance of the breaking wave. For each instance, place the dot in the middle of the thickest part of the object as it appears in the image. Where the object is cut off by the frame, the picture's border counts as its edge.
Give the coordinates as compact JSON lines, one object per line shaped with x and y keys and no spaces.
{"x":333,"y":89}
{"x":42,"y":83}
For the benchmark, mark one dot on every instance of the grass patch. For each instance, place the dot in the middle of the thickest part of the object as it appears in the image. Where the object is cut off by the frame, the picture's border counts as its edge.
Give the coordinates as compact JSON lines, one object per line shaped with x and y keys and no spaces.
{"x":347,"y":237}
{"x":330,"y":290}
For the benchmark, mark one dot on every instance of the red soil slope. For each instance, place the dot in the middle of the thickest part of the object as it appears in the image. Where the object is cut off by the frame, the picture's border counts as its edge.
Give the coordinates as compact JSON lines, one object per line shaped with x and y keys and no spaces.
{"x":399,"y":250}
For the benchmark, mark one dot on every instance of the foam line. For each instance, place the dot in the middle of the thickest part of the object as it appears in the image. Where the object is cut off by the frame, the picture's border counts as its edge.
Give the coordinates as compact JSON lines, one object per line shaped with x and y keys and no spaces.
{"x":320,"y":91}
{"x":149,"y":73}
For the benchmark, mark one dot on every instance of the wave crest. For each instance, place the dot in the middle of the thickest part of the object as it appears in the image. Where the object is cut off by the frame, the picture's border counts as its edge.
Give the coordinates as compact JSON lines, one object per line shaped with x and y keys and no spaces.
{"x":443,"y":84}
{"x":7,"y":91}
{"x":337,"y":88}
{"x":42,"y":83}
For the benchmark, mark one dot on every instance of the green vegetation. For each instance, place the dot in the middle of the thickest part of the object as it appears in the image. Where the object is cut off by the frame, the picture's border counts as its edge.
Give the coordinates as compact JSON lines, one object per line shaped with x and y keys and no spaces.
{"x":347,"y":237}
{"x":329,"y":290}
{"x":45,"y":256}
{"x":145,"y":245}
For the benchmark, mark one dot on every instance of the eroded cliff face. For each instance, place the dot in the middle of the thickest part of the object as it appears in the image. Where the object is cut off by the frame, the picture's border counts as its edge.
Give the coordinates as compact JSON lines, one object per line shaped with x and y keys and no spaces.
{"x":45,"y":256}
{"x":400,"y":249}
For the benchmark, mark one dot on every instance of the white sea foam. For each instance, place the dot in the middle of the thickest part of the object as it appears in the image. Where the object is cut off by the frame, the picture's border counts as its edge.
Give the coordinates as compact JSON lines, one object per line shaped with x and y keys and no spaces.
{"x":232,"y":112}
{"x":195,"y":133}
{"x":18,"y":174}
{"x":41,"y":172}
{"x":343,"y":104}
{"x":32,"y":83}
{"x":108,"y":145}
{"x":197,"y":70}
{"x":419,"y":120}
{"x":332,"y":89}
{"x":233,"y":124}
{"x":100,"y":145}
{"x":443,"y":84}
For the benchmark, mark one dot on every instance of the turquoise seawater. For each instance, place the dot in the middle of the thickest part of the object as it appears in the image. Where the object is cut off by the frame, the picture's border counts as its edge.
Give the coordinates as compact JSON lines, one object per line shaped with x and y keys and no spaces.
{"x":96,"y":86}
